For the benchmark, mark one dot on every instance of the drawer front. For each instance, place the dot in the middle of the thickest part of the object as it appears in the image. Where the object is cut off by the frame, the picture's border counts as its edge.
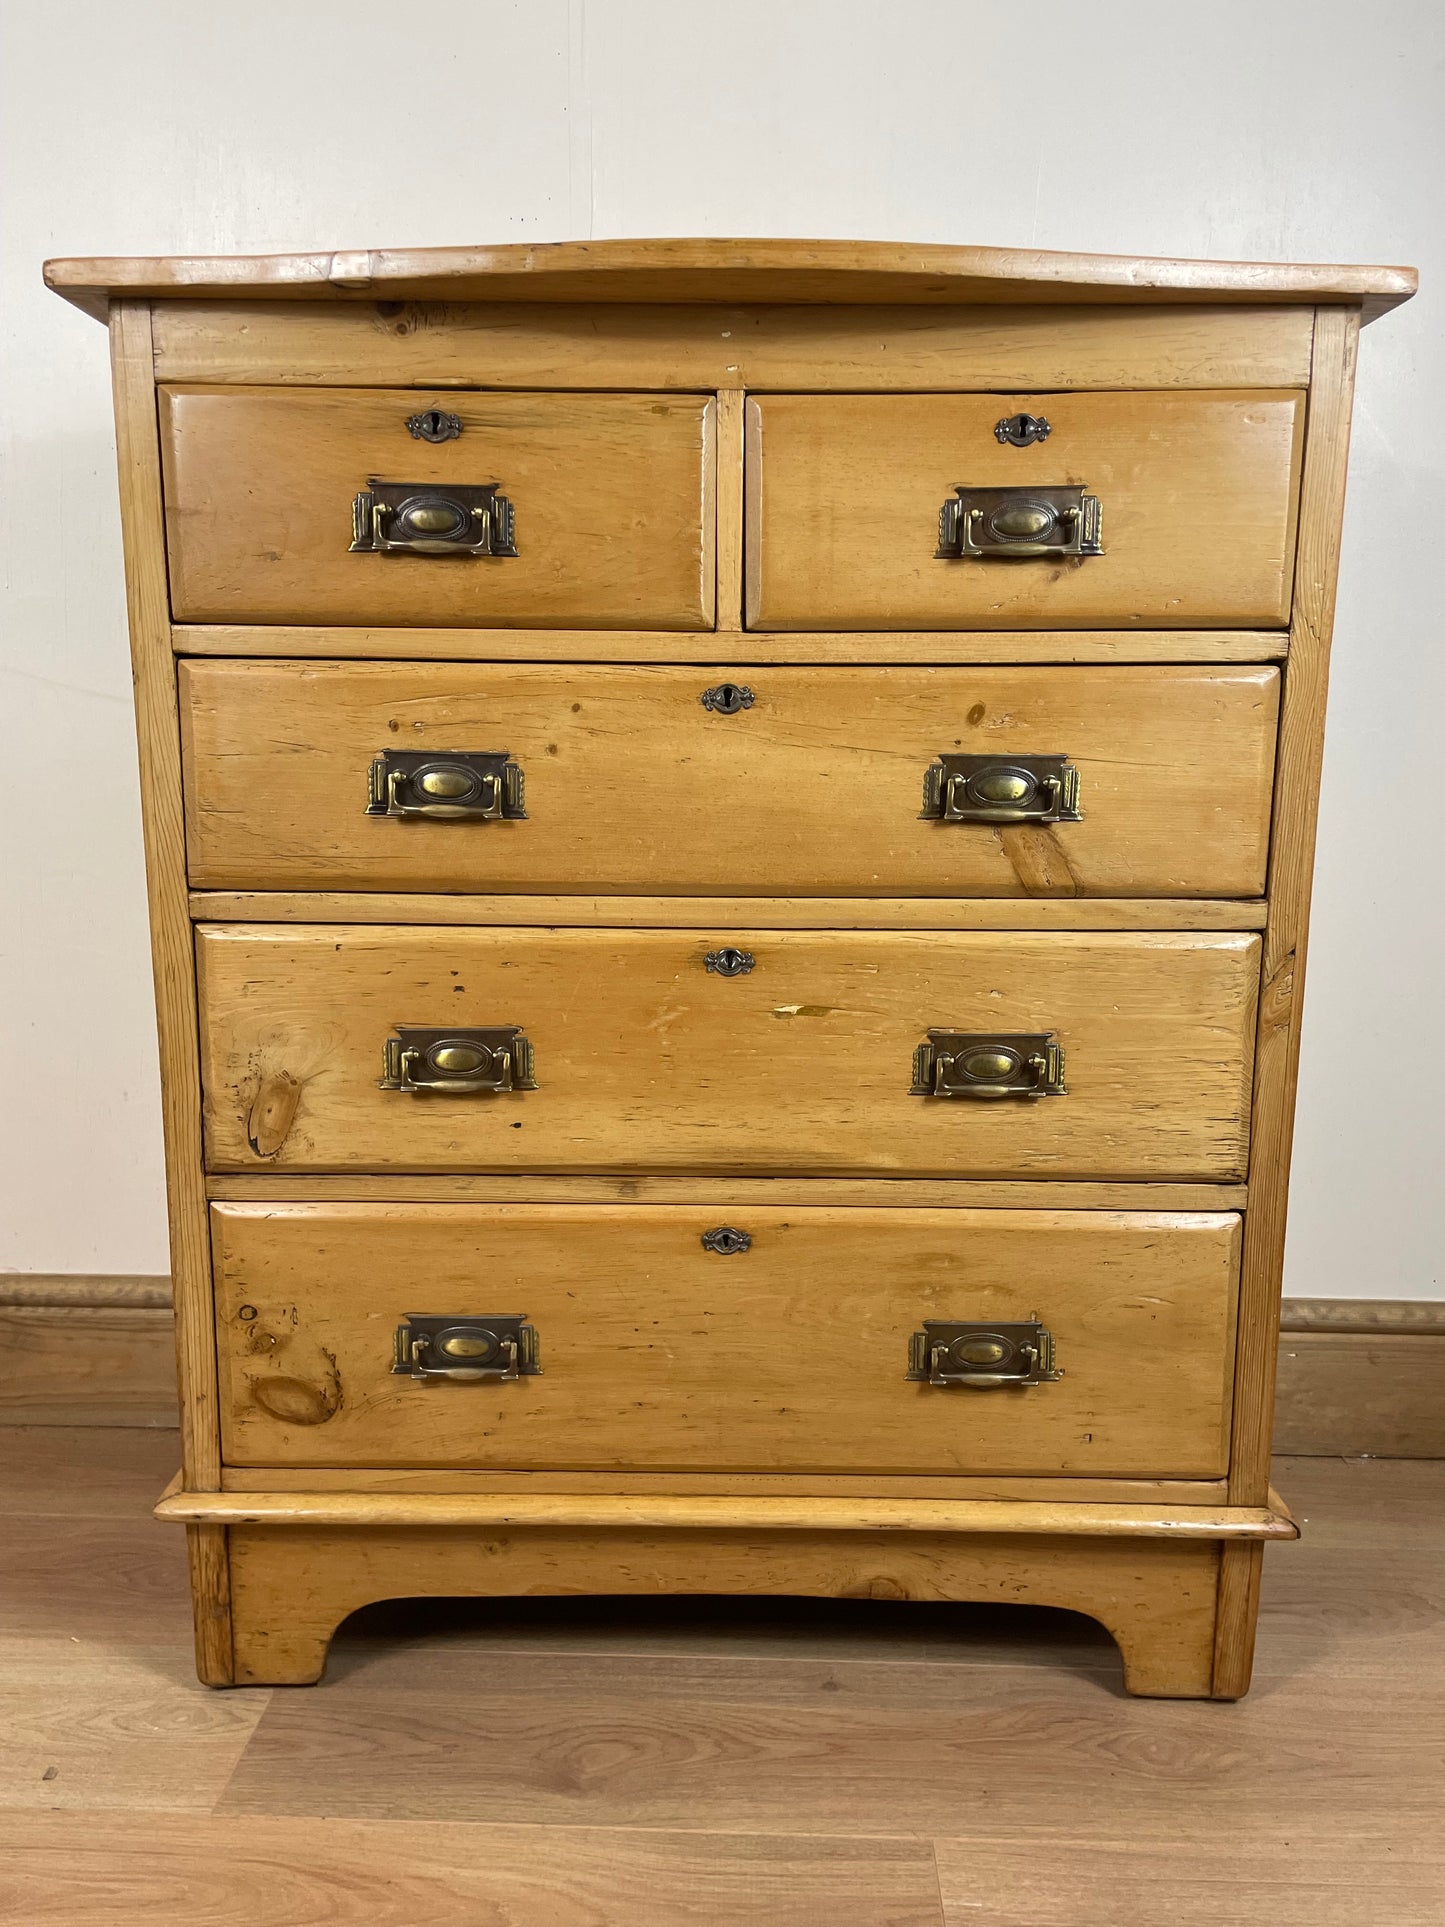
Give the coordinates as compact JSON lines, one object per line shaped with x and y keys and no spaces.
{"x":790,"y":1356}
{"x":796,"y":781}
{"x":800,"y":1062}
{"x":610,"y":499}
{"x":1196,"y":497}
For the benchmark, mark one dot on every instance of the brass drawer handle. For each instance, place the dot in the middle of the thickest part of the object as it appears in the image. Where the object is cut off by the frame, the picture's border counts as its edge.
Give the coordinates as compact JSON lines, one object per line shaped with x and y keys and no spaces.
{"x":419,"y":518}
{"x":977,"y":523}
{"x":501,"y":1345}
{"x":982,"y":1356}
{"x":419,"y":1057}
{"x":481,"y":786}
{"x":958,"y":1063}
{"x":1001,"y":789}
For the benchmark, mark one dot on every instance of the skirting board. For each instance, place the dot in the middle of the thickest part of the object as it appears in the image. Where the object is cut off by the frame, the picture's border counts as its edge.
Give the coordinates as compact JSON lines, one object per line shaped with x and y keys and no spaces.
{"x":1357,"y":1377}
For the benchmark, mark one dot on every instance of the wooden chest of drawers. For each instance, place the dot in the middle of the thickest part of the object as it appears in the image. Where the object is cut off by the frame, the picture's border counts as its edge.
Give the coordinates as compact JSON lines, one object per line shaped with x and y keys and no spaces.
{"x":729,"y":830}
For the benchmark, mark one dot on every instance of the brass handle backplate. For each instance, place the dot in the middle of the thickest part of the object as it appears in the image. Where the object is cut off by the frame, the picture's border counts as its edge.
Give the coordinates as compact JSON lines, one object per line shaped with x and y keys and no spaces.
{"x":1001,"y":789}
{"x":986,"y":1357}
{"x":977,"y":523}
{"x":476,"y":785}
{"x":420,"y":1057}
{"x":490,"y":1345}
{"x":423,"y":518}
{"x":986,"y":1064}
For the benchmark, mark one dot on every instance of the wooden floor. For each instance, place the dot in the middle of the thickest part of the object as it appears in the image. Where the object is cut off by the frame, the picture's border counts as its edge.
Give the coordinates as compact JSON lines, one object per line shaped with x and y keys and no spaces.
{"x":595,"y":1764}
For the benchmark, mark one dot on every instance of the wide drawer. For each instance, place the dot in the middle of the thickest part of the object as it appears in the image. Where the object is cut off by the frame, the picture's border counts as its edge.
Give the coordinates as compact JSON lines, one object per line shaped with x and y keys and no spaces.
{"x":1195,"y":493}
{"x":790,"y":1355}
{"x":795,"y":781}
{"x":609,"y":499}
{"x":745,"y":1051}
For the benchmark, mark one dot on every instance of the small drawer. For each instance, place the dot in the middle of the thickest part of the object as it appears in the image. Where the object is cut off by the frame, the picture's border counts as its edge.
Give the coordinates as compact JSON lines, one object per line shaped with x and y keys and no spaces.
{"x":1172,"y":510}
{"x":814,"y":1340}
{"x":795,"y":782}
{"x":377,"y":1048}
{"x":393,"y":507}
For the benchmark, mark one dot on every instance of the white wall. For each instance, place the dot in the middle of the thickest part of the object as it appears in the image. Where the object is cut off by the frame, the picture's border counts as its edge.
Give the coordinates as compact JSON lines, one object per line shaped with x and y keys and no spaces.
{"x":1301,"y":129}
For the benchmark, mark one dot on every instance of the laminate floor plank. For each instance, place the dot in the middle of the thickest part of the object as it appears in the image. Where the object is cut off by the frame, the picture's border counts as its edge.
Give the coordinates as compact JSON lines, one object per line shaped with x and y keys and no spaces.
{"x":90,"y":1724}
{"x":117,"y":1871}
{"x":1285,"y":1876}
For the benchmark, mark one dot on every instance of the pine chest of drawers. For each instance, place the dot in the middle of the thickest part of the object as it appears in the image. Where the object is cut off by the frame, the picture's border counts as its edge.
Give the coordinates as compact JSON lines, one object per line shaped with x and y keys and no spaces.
{"x":729,"y":831}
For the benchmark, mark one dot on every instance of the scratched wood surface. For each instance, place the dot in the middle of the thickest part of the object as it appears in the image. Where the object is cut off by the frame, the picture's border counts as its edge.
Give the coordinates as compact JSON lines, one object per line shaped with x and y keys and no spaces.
{"x":813,"y":789}
{"x":695,"y":1763}
{"x":613,"y":496}
{"x":647,"y":1061}
{"x":671,"y":1357}
{"x":1197,"y":494}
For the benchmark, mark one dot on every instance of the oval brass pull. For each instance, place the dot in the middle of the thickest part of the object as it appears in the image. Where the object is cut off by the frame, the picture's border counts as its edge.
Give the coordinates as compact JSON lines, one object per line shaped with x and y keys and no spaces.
{"x":978,"y":523}
{"x":420,"y":1057}
{"x":988,"y":1064}
{"x":424,"y":518}
{"x":489,"y":1345}
{"x":482,"y":786}
{"x":985,"y":1357}
{"x":1000,"y":789}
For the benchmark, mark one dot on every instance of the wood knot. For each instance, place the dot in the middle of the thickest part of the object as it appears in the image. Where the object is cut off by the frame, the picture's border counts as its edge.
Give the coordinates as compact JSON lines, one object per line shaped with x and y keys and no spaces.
{"x":273,"y":1111}
{"x":295,"y":1401}
{"x":1276,"y":1003}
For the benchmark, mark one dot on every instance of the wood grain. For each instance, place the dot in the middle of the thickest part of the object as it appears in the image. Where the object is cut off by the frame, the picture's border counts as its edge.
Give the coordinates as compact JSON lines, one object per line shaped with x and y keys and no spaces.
{"x":647,"y":1062}
{"x":235,"y":1870}
{"x":81,"y":1364}
{"x":826,"y":770}
{"x":705,"y":913}
{"x":1198,"y":495}
{"x":609,"y":1513}
{"x":613,"y":496}
{"x":292,"y":1586}
{"x":1301,"y":744}
{"x":1362,"y":1392}
{"x":723,"y":270}
{"x":563,"y":346}
{"x":672,"y":1352}
{"x":172,"y":950}
{"x":947,"y":648}
{"x":1161,"y":1494}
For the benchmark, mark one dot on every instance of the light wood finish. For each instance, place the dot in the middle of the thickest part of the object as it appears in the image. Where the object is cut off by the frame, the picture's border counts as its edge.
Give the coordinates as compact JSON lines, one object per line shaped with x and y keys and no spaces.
{"x":943,"y":647}
{"x":709,"y":913}
{"x":646,"y":1061}
{"x":614,"y":1513}
{"x":537,"y":345}
{"x":1197,"y":492}
{"x":613,"y":496}
{"x":292,"y":1586}
{"x":728,"y":420}
{"x":172,"y":950}
{"x":814,"y":790}
{"x":1301,"y":746}
{"x":725,"y":1193}
{"x":1158,"y":1494}
{"x":1182,"y":394}
{"x":788,"y":1357}
{"x":724,"y":270}
{"x":690,"y":1764}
